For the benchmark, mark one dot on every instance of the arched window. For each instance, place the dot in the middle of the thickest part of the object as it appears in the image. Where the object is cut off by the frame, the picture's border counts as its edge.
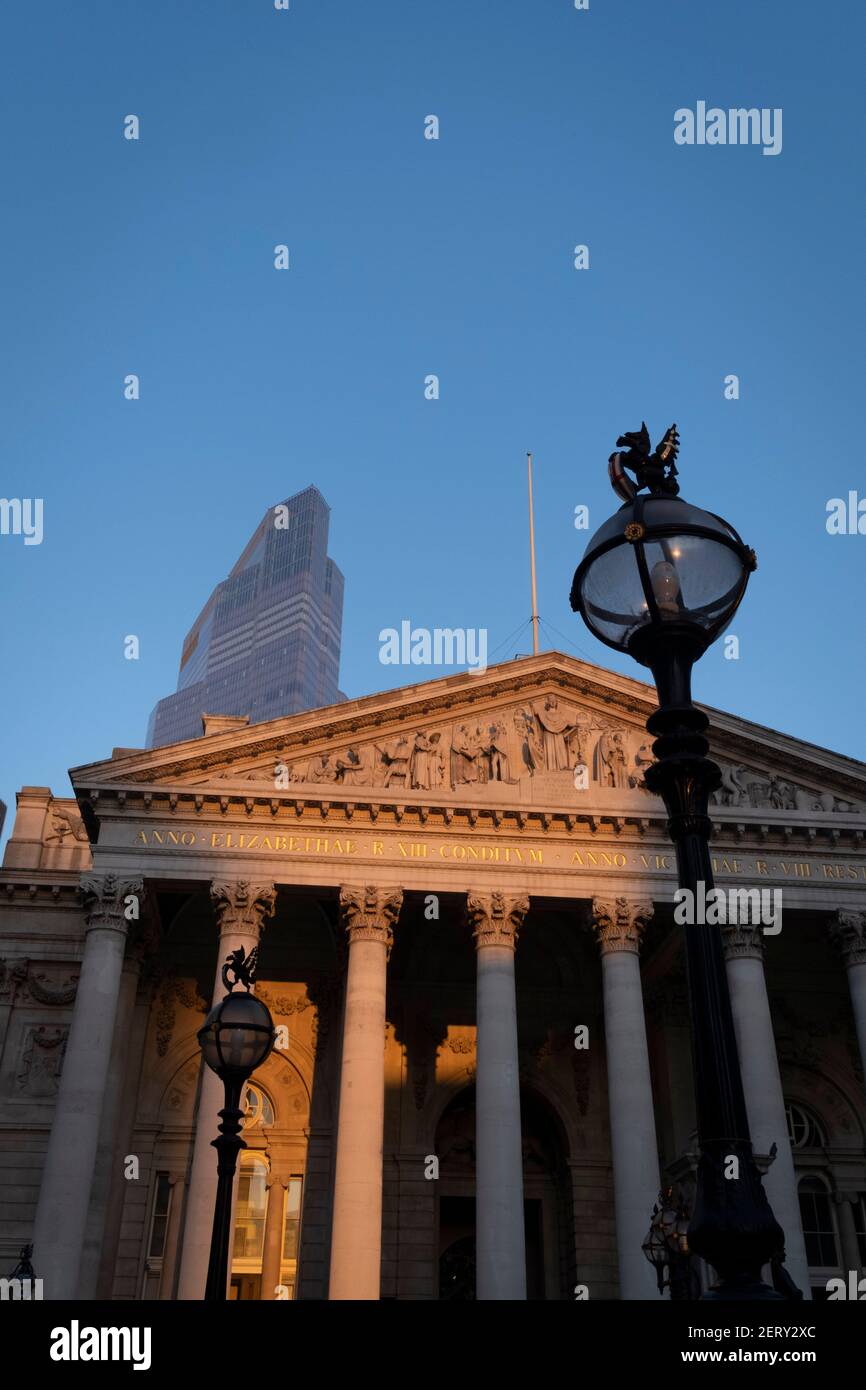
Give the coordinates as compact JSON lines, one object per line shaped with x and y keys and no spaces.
{"x":804,"y":1131}
{"x":819,"y":1231}
{"x":257,"y":1108}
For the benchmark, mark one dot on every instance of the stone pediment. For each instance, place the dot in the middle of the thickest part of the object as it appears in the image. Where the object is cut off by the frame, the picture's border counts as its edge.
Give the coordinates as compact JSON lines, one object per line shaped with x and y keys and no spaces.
{"x":539,"y":731}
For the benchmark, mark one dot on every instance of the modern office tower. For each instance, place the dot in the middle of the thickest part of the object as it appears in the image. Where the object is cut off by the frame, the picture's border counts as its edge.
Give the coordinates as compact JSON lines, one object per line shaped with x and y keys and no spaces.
{"x":267,"y":642}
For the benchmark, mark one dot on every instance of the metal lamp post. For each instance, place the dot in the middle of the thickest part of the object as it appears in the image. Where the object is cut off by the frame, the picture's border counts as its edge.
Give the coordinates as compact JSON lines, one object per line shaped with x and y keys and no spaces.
{"x":236,"y":1038}
{"x":661,"y":580}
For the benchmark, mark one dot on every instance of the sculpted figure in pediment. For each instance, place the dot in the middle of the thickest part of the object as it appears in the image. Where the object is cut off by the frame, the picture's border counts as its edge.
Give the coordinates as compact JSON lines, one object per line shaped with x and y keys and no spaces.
{"x":734,"y":789}
{"x":642,"y":759}
{"x":558,"y":722}
{"x":356,"y":766}
{"x":421,"y":761}
{"x":531,"y":746}
{"x":321,"y":769}
{"x":396,"y":756}
{"x":497,"y":752}
{"x":466,"y":750}
{"x":611,"y":759}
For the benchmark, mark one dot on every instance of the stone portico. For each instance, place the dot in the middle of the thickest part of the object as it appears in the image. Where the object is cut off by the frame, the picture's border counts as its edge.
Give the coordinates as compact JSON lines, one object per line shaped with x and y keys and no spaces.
{"x":463,"y":901}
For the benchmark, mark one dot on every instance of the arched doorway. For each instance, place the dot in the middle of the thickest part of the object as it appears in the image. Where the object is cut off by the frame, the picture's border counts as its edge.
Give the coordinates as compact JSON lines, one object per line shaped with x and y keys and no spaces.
{"x":547,"y":1203}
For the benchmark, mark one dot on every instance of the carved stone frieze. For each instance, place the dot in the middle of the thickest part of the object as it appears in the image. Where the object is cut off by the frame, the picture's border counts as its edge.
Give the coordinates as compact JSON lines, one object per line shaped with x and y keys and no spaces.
{"x":499,"y":747}
{"x":174,"y":992}
{"x":283,"y":1005}
{"x":13,"y":973}
{"x":41,"y":1061}
{"x":742,"y":786}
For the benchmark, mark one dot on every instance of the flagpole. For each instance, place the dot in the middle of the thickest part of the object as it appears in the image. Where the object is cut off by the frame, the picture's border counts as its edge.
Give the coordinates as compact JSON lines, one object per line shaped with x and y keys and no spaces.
{"x":532,"y":561}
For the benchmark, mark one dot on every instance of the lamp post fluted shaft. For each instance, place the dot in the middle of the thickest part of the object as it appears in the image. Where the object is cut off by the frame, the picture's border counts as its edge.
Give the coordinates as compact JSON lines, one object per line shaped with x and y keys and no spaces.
{"x":661,"y":579}
{"x":228,"y":1145}
{"x":732,"y":1226}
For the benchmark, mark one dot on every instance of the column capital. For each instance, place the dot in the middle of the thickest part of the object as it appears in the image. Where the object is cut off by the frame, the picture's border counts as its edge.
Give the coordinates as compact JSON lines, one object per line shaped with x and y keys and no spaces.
{"x":369,"y":912}
{"x":619,"y":923}
{"x":496,"y":918}
{"x":852,"y":1198}
{"x":243,"y":905}
{"x":279,"y":1178}
{"x":848,"y":932}
{"x":742,"y":940}
{"x":105,"y":900}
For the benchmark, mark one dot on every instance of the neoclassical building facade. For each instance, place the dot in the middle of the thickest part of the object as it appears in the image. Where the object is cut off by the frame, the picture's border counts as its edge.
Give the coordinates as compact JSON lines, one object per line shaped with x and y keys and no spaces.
{"x":463,"y":899}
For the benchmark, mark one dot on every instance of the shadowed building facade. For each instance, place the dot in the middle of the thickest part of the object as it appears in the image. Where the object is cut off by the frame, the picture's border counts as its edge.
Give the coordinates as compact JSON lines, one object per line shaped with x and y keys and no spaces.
{"x":463,"y":900}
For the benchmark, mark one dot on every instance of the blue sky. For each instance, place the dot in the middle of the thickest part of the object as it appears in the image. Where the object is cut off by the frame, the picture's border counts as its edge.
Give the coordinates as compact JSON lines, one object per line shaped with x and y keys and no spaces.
{"x":411,"y":257}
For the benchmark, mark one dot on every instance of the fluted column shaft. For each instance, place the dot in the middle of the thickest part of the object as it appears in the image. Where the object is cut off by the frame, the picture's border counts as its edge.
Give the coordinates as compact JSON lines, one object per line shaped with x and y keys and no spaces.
{"x":67,"y":1177}
{"x":619,"y":925}
{"x":368,"y":915}
{"x":850,"y":1252}
{"x":848,"y":932}
{"x":273,"y":1241}
{"x":500,"y":1260}
{"x":762,"y":1086}
{"x":241,"y":908}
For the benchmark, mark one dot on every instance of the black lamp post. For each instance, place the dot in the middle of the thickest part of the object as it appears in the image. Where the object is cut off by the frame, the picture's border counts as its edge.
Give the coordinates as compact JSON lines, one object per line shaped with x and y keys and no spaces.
{"x":661,"y":580}
{"x":235,"y":1038}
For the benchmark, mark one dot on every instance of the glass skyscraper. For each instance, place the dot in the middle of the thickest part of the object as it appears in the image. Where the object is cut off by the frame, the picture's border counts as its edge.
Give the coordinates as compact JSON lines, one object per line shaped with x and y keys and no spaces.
{"x":267,"y":642}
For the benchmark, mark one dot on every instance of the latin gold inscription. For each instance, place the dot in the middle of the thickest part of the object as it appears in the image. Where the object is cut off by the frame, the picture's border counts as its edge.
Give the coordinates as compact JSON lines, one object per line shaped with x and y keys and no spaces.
{"x":558,"y":855}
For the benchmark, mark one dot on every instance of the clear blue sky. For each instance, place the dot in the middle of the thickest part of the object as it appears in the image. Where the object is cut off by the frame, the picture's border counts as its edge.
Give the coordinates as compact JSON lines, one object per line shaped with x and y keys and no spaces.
{"x":411,"y":257}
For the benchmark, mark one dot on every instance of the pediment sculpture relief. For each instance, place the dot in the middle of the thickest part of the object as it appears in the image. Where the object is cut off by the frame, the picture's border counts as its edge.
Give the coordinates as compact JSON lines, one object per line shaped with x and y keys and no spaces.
{"x":534,"y":747}
{"x":742,"y":786}
{"x":543,"y":740}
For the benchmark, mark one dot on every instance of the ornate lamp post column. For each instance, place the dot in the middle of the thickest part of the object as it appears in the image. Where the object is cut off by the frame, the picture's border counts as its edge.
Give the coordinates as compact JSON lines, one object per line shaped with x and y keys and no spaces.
{"x":236,"y":1037}
{"x":661,"y":580}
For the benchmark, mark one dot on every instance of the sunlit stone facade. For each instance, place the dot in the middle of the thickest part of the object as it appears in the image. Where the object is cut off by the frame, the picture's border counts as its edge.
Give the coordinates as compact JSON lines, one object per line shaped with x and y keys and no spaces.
{"x":463,"y":901}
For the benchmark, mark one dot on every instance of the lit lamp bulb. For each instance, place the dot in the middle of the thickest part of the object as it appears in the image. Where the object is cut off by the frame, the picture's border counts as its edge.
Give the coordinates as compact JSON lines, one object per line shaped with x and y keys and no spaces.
{"x":666,"y":586}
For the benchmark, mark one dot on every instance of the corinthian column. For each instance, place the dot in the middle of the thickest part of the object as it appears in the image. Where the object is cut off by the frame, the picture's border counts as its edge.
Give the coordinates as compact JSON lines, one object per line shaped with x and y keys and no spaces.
{"x":619,"y":925}
{"x":762,"y":1086}
{"x":500,"y":1260}
{"x":241,"y":909}
{"x":64,"y":1197}
{"x":368,"y":915}
{"x":848,"y":931}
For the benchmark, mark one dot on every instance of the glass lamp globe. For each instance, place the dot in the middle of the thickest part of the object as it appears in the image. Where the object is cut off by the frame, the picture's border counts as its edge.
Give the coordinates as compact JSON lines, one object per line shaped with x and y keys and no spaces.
{"x":659,"y":562}
{"x":237,"y":1035}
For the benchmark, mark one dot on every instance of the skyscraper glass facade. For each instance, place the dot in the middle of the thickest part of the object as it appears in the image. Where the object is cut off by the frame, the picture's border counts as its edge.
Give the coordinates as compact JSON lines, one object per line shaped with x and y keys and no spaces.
{"x":267,"y":642}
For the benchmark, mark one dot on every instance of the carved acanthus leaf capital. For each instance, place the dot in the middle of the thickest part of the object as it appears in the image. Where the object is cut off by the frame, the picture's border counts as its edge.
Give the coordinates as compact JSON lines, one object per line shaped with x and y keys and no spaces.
{"x":619,"y":923}
{"x":106,"y":901}
{"x":496,"y":918}
{"x":743,"y":940}
{"x":368,"y":912}
{"x":243,"y":906}
{"x":848,"y":932}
